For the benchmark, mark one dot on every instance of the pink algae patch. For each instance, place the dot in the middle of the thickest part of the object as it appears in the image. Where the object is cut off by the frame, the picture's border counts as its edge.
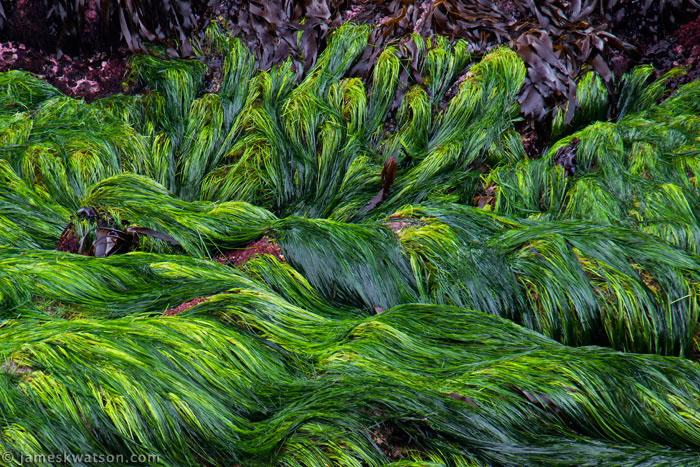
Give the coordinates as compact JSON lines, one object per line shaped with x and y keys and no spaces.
{"x":184,"y":306}
{"x":241,"y":256}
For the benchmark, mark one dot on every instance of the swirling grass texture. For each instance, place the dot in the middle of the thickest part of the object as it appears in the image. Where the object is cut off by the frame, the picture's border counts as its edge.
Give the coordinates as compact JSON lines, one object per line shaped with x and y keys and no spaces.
{"x":553,"y":323}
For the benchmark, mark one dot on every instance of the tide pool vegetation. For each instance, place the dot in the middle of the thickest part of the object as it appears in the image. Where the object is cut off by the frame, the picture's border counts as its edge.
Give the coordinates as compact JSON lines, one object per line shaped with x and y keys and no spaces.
{"x":483,"y":308}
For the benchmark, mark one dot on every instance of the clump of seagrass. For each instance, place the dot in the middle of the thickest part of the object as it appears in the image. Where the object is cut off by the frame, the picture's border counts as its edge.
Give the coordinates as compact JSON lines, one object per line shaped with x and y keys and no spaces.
{"x":424,"y":313}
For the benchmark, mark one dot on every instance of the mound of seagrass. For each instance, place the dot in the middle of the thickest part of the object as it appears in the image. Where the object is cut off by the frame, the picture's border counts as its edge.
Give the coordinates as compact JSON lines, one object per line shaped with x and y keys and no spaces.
{"x":444,"y":300}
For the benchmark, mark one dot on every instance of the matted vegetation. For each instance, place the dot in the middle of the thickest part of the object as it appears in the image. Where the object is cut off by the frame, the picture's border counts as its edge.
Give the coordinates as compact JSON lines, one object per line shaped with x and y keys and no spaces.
{"x":439,"y":298}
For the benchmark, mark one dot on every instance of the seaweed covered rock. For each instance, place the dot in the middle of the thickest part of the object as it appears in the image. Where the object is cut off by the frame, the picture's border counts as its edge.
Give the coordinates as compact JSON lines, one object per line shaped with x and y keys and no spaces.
{"x":547,"y":324}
